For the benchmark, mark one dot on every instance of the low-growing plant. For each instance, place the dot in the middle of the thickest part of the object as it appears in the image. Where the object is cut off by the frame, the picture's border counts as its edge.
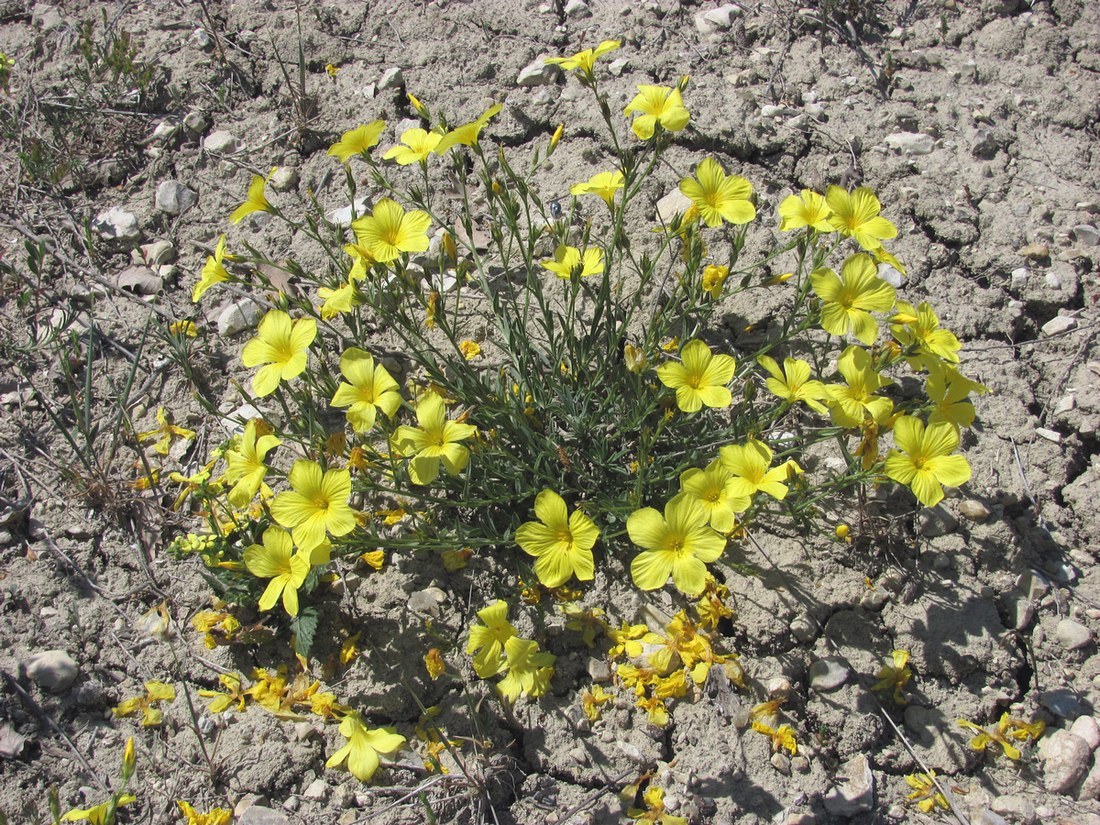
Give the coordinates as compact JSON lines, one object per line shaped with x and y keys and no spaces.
{"x":564,"y":397}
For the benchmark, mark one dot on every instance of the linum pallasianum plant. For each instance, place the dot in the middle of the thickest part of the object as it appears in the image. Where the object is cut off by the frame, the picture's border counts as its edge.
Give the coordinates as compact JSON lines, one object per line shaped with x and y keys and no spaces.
{"x":563,"y":398}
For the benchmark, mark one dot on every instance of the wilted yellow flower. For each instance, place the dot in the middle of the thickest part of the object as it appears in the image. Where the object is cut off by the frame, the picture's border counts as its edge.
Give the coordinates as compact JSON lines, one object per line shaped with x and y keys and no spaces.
{"x":469,"y":349}
{"x":714,"y":278}
{"x":434,"y":664}
{"x":215,"y":816}
{"x":186,"y":329}
{"x":893,"y":677}
{"x":925,"y":793}
{"x":593,"y":699}
{"x":166,"y":431}
{"x":146,"y":704}
{"x":782,"y":737}
{"x":1008,"y":730}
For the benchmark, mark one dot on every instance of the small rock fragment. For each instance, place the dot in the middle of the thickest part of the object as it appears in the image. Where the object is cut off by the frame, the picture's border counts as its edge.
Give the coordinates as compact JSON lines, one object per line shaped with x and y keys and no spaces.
{"x":1059,"y":324}
{"x":1062,"y":703}
{"x":317,"y":790}
{"x":854,"y":791}
{"x":599,"y":670}
{"x":52,"y":670}
{"x":1014,"y":809}
{"x":1090,"y":785}
{"x":1065,"y":760}
{"x":261,"y":815}
{"x":911,"y":143}
{"x":1087,"y":234}
{"x":828,"y":674}
{"x":804,"y":629}
{"x":392,"y":78}
{"x":1086,"y":728}
{"x":175,"y":198}
{"x":116,"y":224}
{"x":673,"y":204}
{"x":239,"y":316}
{"x":140,"y":280}
{"x":158,"y":252}
{"x":284,"y":179}
{"x":617,"y":66}
{"x":1018,"y":278}
{"x":343,"y":216}
{"x":537,"y":73}
{"x":781,"y":763}
{"x":1053,"y":436}
{"x":936,"y":521}
{"x":974,"y":510}
{"x":427,"y":601}
{"x":1034,"y":251}
{"x":577,"y":10}
{"x":201,"y":39}
{"x":221,"y":142}
{"x":779,"y":687}
{"x":195,"y":122}
{"x":771,"y":110}
{"x":1073,"y":635}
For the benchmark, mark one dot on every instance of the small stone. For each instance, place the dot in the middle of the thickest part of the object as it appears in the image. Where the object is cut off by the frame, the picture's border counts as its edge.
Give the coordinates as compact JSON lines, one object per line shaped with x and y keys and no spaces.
{"x":577,"y":10}
{"x":167,"y":129}
{"x":140,"y":280}
{"x":239,"y":316}
{"x":771,"y":110}
{"x":1023,"y":613}
{"x":618,"y":66}
{"x":201,"y":39}
{"x":261,"y":815}
{"x":781,"y":763}
{"x":1059,"y":324}
{"x":828,"y":674}
{"x":1014,"y":808}
{"x":52,"y":670}
{"x":1050,"y":435}
{"x":1086,"y":728}
{"x":779,"y":687}
{"x":1090,"y":785}
{"x":284,"y":179}
{"x":1087,"y":234}
{"x":800,"y":764}
{"x":392,"y":78}
{"x":891,"y":276}
{"x":303,"y":731}
{"x":1062,"y":703}
{"x":599,"y":670}
{"x":673,"y":204}
{"x":343,"y":217}
{"x":427,"y":601}
{"x":1018,"y":278}
{"x":117,"y":224}
{"x":1065,"y":760}
{"x":158,"y":253}
{"x":983,"y":142}
{"x":911,"y":143}
{"x":175,"y":198}
{"x":1073,"y":635}
{"x":292,"y":804}
{"x":317,"y":790}
{"x":631,"y":752}
{"x":537,"y":73}
{"x":987,"y":817}
{"x":1065,"y":404}
{"x":221,"y":142}
{"x":195,"y":123}
{"x":974,"y":510}
{"x":854,"y":791}
{"x":1034,"y":251}
{"x":936,"y":521}
{"x":804,"y":629}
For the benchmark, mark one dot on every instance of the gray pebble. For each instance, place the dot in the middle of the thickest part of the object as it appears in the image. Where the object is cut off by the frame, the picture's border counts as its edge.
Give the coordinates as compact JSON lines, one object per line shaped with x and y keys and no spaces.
{"x":1086,"y":728}
{"x":1065,"y":760}
{"x":828,"y":674}
{"x":1014,"y":808}
{"x":221,"y":142}
{"x":427,"y":601}
{"x":911,"y":143}
{"x":52,"y":670}
{"x":392,"y":78}
{"x":538,"y":73}
{"x":239,"y":316}
{"x":117,"y":224}
{"x":936,"y":521}
{"x":974,"y":510}
{"x":175,"y":198}
{"x":577,"y":9}
{"x":1059,"y":324}
{"x":285,"y":179}
{"x":1072,"y":635}
{"x":854,"y":791}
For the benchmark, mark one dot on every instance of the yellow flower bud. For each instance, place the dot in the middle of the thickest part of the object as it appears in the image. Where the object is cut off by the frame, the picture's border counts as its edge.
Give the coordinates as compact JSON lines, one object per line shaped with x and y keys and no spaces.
{"x":128,"y":760}
{"x":556,"y":137}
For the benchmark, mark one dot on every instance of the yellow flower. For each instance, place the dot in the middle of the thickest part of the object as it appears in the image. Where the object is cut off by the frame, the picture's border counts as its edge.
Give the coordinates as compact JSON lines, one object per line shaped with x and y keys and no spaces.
{"x":584,"y":61}
{"x":420,"y":108}
{"x":847,"y":300}
{"x":185,"y":329}
{"x":1007,"y":731}
{"x":245,"y":465}
{"x":146,"y":705}
{"x":368,"y":387}
{"x":215,"y":816}
{"x":469,"y":349}
{"x":808,"y":210}
{"x":604,"y":184}
{"x":275,"y":560}
{"x":714,"y":278}
{"x":561,"y":543}
{"x":337,"y":301}
{"x":924,"y":462}
{"x":949,"y":390}
{"x":919,"y":329}
{"x":792,"y":383}
{"x":167,"y":431}
{"x":856,"y":215}
{"x":213,"y":271}
{"x":436,"y":440}
{"x":390,"y":230}
{"x":700,"y":379}
{"x":280,"y":349}
{"x":855,"y":400}
{"x":592,"y":699}
{"x":469,"y":133}
{"x":895,"y":676}
{"x":654,"y":797}
{"x":364,"y":747}
{"x":529,"y":669}
{"x":555,"y":139}
{"x":332,"y":69}
{"x":568,"y":262}
{"x":434,"y":664}
{"x":657,"y":105}
{"x":717,"y":196}
{"x":233,"y":695}
{"x":750,"y":465}
{"x":714,"y":489}
{"x":679,"y":544}
{"x":101,"y":814}
{"x":419,"y":144}
{"x":925,"y":793}
{"x":486,"y":643}
{"x":129,"y":761}
{"x":357,"y":141}
{"x":255,"y":201}
{"x":782,"y":737}
{"x":634,"y":357}
{"x":316,"y":504}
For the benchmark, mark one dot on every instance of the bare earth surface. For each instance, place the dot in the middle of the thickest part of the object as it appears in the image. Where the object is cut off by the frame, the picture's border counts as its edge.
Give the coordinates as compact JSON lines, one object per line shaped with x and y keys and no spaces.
{"x":976,"y":124}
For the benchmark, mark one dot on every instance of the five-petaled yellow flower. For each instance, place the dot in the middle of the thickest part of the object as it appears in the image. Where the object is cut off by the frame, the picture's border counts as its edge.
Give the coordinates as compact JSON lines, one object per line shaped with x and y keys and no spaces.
{"x":255,"y":201}
{"x":949,"y":391}
{"x":750,"y":465}
{"x":368,"y":387}
{"x":275,"y":559}
{"x":700,"y":379}
{"x":436,"y":440}
{"x":657,"y":105}
{"x":529,"y":669}
{"x":357,"y":141}
{"x":855,"y":400}
{"x":715,"y":489}
{"x":213,"y":271}
{"x":584,"y":61}
{"x":569,"y":262}
{"x":418,"y":145}
{"x":856,"y":215}
{"x":316,"y":504}
{"x":847,"y":300}
{"x":919,"y":328}
{"x":924,"y":463}
{"x":561,"y":543}
{"x":718,"y":196}
{"x":792,"y":383}
{"x":604,"y":184}
{"x":810,"y":209}
{"x":390,"y":230}
{"x":245,"y":467}
{"x":468,"y":134}
{"x":364,"y":746}
{"x":680,"y":543}
{"x":487,"y":641}
{"x":280,"y":349}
